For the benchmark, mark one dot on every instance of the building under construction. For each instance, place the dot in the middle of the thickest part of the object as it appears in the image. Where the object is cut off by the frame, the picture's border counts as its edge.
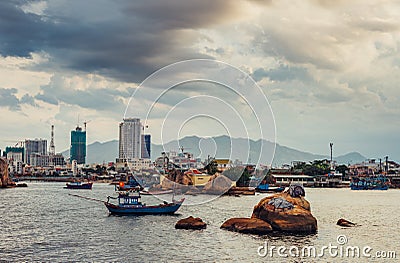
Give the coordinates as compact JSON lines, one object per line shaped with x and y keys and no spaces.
{"x":78,"y":145}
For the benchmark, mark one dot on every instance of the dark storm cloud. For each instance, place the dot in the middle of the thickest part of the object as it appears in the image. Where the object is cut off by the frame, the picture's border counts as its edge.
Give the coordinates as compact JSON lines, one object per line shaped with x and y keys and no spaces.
{"x":20,"y":33}
{"x":178,"y":14}
{"x":126,"y":40}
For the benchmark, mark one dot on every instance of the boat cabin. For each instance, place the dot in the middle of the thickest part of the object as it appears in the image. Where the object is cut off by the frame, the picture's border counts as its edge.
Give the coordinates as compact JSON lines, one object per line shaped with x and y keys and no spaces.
{"x":128,"y":200}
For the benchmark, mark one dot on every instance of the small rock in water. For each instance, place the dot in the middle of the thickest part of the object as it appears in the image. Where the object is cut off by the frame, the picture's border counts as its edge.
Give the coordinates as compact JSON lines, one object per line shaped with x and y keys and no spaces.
{"x":345,"y":223}
{"x":191,"y":223}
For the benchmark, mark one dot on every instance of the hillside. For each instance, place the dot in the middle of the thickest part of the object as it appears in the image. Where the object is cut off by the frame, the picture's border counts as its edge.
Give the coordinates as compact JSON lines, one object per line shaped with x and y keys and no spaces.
{"x":220,"y":147}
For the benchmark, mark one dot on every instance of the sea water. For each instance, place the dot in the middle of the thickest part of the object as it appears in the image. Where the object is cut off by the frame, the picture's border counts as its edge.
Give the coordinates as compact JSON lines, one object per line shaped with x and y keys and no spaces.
{"x":42,"y":223}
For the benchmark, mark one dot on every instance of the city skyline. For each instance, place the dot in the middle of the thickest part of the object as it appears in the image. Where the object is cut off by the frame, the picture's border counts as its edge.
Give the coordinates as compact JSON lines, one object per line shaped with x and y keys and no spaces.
{"x":330,"y":70}
{"x":20,"y":143}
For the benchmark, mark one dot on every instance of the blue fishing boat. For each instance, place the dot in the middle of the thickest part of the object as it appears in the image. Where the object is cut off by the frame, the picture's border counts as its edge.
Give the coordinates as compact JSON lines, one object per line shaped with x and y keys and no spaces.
{"x":265,"y":188}
{"x":79,"y":185}
{"x":370,"y":183}
{"x":129,"y":203}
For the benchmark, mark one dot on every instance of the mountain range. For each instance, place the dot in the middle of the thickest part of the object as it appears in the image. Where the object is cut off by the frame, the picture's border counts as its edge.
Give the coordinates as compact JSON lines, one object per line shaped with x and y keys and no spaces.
{"x":220,"y":147}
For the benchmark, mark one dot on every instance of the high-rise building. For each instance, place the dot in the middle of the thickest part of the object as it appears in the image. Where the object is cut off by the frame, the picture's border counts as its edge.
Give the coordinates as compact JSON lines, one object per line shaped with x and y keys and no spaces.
{"x":32,"y":147}
{"x":78,"y":146}
{"x":47,"y":160}
{"x":130,"y":139}
{"x":15,"y":157}
{"x":14,"y":153}
{"x":146,"y":146}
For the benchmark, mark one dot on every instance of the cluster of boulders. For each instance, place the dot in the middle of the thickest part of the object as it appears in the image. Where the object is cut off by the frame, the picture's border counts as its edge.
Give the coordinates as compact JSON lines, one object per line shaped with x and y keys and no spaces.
{"x":218,"y":184}
{"x":288,"y":212}
{"x":176,"y":178}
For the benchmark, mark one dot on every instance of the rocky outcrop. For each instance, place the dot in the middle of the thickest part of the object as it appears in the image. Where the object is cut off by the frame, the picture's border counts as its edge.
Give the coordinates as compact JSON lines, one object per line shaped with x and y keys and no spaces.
{"x":234,"y":190}
{"x":345,"y":223}
{"x":176,"y":180}
{"x":286,"y":213}
{"x":218,"y":184}
{"x":5,"y":180}
{"x":247,"y":226}
{"x":191,"y":223}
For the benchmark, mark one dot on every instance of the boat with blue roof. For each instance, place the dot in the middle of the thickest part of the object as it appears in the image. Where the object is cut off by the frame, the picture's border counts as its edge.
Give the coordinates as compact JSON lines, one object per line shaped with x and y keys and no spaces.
{"x":370,"y":183}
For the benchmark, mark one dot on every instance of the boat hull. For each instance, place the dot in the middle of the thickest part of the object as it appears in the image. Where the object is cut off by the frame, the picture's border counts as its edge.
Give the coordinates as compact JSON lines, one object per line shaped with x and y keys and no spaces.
{"x":353,"y":187}
{"x":144,"y":210}
{"x":270,"y":190}
{"x":87,"y":186}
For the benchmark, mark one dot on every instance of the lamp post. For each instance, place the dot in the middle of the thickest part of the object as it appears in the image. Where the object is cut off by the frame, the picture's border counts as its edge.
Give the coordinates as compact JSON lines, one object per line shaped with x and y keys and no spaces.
{"x":331,"y":146}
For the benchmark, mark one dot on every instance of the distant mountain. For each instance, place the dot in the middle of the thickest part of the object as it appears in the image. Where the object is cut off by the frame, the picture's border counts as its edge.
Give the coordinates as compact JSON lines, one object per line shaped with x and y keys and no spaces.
{"x":99,"y":152}
{"x":220,"y":147}
{"x":353,"y":157}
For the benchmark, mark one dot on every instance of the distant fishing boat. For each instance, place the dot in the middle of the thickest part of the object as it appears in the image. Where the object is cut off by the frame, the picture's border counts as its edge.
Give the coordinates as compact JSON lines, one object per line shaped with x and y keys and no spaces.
{"x":131,"y":185}
{"x":265,"y":188}
{"x":370,"y":183}
{"x":129,"y":203}
{"x":79,"y":185}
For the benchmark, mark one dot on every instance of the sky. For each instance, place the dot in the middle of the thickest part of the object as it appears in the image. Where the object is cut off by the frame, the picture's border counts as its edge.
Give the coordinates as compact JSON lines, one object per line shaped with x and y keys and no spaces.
{"x":329,"y":71}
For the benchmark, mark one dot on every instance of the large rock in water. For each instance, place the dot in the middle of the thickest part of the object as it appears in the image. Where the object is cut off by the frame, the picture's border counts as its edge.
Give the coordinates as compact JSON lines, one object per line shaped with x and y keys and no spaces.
{"x":191,"y":223}
{"x":247,"y":226}
{"x":286,"y":213}
{"x":218,"y":184}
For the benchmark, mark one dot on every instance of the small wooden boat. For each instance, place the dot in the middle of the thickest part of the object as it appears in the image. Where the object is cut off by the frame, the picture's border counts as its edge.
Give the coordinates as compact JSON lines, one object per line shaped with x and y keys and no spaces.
{"x":129,"y":204}
{"x":79,"y":185}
